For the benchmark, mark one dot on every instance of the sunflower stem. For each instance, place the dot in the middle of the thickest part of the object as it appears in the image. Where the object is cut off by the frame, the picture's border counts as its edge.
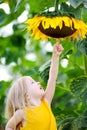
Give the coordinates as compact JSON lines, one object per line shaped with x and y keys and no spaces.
{"x":56,"y":5}
{"x":85,"y":64}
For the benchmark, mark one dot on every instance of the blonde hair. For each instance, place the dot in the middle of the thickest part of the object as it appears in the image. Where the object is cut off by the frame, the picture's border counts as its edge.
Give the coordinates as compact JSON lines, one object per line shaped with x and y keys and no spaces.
{"x":16,"y":98}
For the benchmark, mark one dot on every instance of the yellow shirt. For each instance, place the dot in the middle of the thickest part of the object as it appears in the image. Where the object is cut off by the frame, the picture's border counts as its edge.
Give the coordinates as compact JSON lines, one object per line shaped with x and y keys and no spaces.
{"x":39,"y":118}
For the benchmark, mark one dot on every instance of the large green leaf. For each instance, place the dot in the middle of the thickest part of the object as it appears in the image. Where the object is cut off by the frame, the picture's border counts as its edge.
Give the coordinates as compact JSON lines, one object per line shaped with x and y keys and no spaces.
{"x":66,"y":123}
{"x":74,"y":123}
{"x":40,"y":5}
{"x":1,"y":1}
{"x":2,"y":16}
{"x":14,"y":5}
{"x":76,"y":3}
{"x":10,"y":56}
{"x":44,"y":71}
{"x":17,"y":7}
{"x":3,"y":91}
{"x":62,"y":1}
{"x":81,"y":121}
{"x":12,"y":48}
{"x":84,"y":14}
{"x":82,"y":46}
{"x":75,"y":72}
{"x":69,"y":10}
{"x":78,"y":87}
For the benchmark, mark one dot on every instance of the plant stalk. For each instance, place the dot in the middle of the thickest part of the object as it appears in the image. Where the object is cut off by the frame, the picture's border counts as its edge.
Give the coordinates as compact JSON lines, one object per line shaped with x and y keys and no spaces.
{"x":56,"y":5}
{"x":85,"y":64}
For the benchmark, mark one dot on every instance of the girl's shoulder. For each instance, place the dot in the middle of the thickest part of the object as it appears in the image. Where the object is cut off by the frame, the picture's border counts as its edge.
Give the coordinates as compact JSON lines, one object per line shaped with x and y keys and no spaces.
{"x":46,"y":102}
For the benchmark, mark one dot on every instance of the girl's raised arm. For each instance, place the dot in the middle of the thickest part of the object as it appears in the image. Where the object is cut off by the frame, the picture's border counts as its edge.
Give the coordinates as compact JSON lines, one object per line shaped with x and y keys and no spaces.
{"x":49,"y":93}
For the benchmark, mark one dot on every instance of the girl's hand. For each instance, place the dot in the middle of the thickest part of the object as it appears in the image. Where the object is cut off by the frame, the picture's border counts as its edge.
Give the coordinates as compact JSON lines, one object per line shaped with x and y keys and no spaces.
{"x":57,"y":49}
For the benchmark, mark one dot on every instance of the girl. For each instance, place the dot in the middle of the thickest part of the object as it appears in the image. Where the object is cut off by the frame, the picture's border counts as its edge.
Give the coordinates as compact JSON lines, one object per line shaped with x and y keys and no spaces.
{"x":28,"y":104}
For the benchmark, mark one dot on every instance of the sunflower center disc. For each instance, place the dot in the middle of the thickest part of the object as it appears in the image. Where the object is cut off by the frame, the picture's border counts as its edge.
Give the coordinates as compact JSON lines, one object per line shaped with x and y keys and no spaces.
{"x":57,"y":32}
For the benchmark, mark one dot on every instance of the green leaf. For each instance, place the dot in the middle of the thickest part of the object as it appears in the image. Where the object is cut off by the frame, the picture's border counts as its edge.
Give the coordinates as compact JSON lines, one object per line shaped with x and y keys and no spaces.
{"x":40,"y":5}
{"x":82,"y":46}
{"x":69,"y":10}
{"x":12,"y":5}
{"x":78,"y":87}
{"x":44,"y":71}
{"x":84,"y":14}
{"x":80,"y":123}
{"x":62,"y":1}
{"x":15,"y":5}
{"x":3,"y":86}
{"x":2,"y":16}
{"x":76,"y":3}
{"x":1,"y":1}
{"x":18,"y":2}
{"x":10,"y":56}
{"x":67,"y":53}
{"x":67,"y":121}
{"x":75,"y":72}
{"x":18,"y":41}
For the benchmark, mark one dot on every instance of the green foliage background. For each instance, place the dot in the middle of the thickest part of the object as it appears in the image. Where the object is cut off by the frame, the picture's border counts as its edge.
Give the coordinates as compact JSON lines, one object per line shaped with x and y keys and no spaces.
{"x":70,"y":99}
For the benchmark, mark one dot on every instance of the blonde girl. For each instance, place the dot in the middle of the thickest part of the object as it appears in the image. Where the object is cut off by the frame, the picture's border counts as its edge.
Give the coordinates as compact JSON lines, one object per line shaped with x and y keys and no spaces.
{"x":28,"y":105}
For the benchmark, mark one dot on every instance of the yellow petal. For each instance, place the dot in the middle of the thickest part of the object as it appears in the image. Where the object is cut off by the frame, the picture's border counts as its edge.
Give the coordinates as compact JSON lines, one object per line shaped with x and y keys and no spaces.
{"x":52,"y":23}
{"x":76,"y":23}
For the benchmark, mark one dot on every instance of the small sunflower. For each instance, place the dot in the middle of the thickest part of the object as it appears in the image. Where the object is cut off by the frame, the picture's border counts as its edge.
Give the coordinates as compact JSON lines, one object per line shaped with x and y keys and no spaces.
{"x":44,"y":27}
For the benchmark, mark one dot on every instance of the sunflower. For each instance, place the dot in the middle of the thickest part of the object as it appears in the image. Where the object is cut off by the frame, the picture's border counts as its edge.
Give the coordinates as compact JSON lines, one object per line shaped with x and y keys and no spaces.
{"x":44,"y":27}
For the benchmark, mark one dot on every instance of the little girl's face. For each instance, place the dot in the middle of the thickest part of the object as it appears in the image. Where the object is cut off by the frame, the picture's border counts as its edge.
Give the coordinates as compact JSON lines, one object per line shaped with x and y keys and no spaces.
{"x":35,"y":89}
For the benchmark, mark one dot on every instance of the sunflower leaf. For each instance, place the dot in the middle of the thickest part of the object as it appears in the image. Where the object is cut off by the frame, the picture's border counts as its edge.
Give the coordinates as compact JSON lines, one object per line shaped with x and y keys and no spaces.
{"x":82,"y":46}
{"x":75,"y":72}
{"x":2,"y":16}
{"x":78,"y":87}
{"x":84,"y":14}
{"x":44,"y":71}
{"x":71,"y":11}
{"x":62,"y":1}
{"x":80,"y":122}
{"x":1,"y":1}
{"x":75,"y":3}
{"x":14,"y":5}
{"x":40,"y":5}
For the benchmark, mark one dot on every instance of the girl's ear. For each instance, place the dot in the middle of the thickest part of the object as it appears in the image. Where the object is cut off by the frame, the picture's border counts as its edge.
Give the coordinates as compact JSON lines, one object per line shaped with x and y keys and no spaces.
{"x":27,"y":97}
